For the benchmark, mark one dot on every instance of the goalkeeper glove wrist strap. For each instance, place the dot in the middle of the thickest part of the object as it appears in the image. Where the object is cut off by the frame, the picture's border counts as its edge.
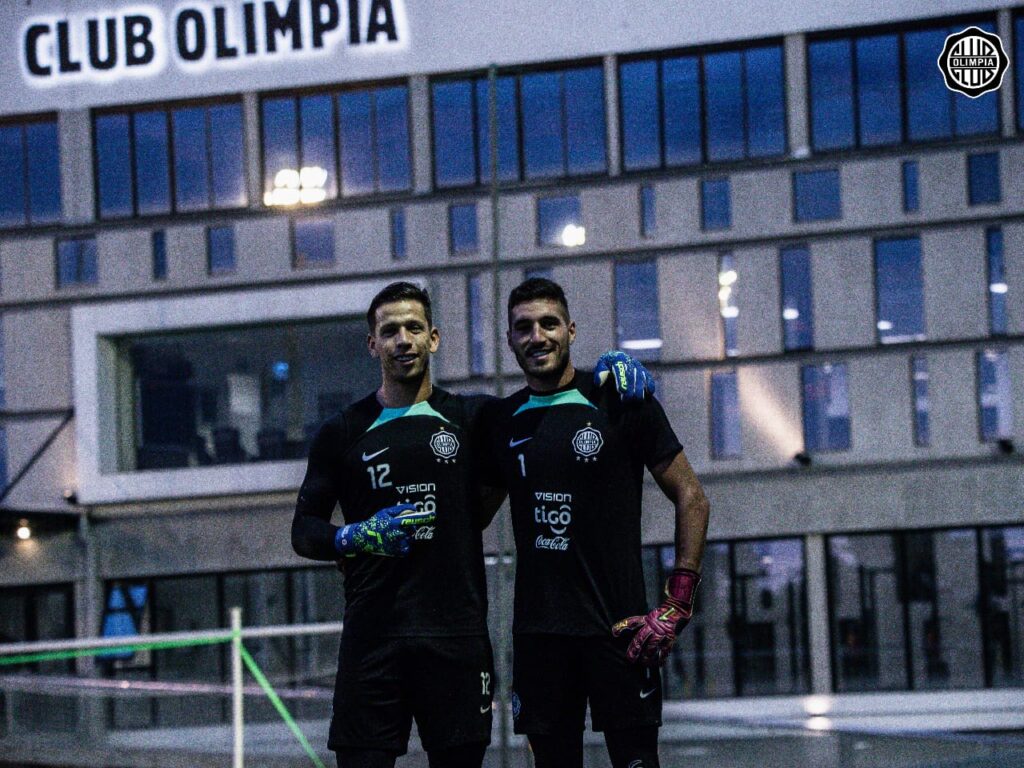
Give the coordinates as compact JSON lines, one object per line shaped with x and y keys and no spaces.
{"x":681,"y":588}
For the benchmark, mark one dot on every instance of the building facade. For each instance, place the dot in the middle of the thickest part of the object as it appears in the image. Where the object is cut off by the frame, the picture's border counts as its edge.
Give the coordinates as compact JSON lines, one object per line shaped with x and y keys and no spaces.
{"x":814,"y":244}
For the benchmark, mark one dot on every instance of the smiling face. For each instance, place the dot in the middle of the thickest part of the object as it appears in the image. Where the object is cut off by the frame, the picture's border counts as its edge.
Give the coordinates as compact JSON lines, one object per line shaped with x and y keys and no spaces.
{"x":539,"y":335}
{"x":403,"y":340}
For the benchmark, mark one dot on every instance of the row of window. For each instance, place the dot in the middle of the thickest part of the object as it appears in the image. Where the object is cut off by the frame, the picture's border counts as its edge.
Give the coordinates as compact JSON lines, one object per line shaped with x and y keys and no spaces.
{"x":826,"y":405}
{"x":909,"y":610}
{"x":865,"y":90}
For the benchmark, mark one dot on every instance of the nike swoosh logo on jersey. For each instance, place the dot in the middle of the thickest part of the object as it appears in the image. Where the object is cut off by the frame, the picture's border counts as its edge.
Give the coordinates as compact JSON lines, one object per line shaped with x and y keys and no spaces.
{"x":485,"y":710}
{"x":645,"y":694}
{"x":374,"y":455}
{"x":514,"y":443}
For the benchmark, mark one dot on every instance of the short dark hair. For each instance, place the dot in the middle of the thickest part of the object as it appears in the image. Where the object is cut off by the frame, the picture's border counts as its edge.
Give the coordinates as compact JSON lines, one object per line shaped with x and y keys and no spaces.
{"x":537,"y":288}
{"x":398,"y":291}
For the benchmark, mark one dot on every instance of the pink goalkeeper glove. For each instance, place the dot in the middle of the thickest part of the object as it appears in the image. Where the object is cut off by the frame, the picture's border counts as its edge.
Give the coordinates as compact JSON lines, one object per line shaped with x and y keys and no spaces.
{"x":656,"y":632}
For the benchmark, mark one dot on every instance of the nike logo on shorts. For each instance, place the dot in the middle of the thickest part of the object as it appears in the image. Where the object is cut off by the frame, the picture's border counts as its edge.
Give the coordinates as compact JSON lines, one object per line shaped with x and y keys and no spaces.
{"x":645,"y":694}
{"x":514,"y":443}
{"x":367,"y":457}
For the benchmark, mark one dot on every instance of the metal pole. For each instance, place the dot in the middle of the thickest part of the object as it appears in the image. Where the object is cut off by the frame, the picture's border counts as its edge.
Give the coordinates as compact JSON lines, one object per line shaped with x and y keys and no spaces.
{"x":501,"y":597}
{"x":238,"y":721}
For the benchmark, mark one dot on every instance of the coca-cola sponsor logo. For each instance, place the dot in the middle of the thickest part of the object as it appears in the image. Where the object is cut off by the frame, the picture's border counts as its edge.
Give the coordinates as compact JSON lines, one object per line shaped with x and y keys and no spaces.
{"x":555,"y":543}
{"x":424,"y":532}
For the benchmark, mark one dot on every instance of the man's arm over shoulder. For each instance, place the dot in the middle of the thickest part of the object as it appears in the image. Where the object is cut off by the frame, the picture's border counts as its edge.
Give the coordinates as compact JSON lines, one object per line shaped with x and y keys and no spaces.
{"x":312,"y":531}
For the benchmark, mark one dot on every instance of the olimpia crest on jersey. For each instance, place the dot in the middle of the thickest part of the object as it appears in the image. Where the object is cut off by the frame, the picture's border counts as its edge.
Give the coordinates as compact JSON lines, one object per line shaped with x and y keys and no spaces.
{"x":587,"y":443}
{"x":444,"y":445}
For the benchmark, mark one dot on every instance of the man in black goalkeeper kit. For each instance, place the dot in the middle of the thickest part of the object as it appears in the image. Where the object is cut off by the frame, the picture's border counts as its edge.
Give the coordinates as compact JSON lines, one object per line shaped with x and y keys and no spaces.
{"x":573,"y":459}
{"x":415,"y":643}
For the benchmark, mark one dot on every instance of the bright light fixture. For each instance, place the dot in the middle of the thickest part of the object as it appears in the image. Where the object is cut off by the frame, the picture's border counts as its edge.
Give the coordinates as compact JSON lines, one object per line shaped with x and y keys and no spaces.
{"x":884,"y":325}
{"x":998,"y":288}
{"x":640,"y":344}
{"x":23,"y":532}
{"x":573,"y":235}
{"x":730,"y":312}
{"x":292,"y":187}
{"x":790,"y":313}
{"x":728,"y":277}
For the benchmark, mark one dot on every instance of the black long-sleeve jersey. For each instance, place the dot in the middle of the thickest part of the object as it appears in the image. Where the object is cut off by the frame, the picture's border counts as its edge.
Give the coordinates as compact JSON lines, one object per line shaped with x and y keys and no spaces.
{"x":368,"y":458}
{"x":573,"y":462}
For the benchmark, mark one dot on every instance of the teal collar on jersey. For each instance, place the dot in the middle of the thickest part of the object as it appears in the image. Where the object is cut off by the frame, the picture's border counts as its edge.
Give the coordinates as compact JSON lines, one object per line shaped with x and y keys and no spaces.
{"x":569,"y":397}
{"x":422,"y":408}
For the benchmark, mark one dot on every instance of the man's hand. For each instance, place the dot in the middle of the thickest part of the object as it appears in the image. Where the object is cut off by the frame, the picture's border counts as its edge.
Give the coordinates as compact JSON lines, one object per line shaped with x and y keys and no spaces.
{"x":656,"y":632}
{"x":632,"y":381}
{"x":388,"y":532}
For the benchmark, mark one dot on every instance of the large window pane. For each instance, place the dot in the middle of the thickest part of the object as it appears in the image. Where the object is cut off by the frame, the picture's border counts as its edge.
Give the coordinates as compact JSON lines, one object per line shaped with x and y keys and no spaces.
{"x":559,"y":221}
{"x":797,"y":303}
{"x":995,"y":395}
{"x":726,"y":440}
{"x":12,"y":168}
{"x":152,"y":162}
{"x":929,"y":113}
{"x":585,"y":120}
{"x":191,"y":179}
{"x":543,"y":146}
{"x":899,"y":290}
{"x":766,"y":102}
{"x":196,"y":405}
{"x":43,"y":150}
{"x":723,"y":99}
{"x":1003,"y":596}
{"x":830,"y":65}
{"x":878,"y":89}
{"x":227,"y":156}
{"x":76,"y":261}
{"x":770,"y":625}
{"x":462,"y":228}
{"x":316,"y":115}
{"x":454,"y":148}
{"x":113,"y":159}
{"x":313,"y":242}
{"x":983,"y":187}
{"x":641,"y":124}
{"x":865,"y":591}
{"x":508,"y":130}
{"x":911,"y":195}
{"x":826,"y":408}
{"x":392,"y":125}
{"x":357,"y":151}
{"x":682,"y":123}
{"x":280,"y":142}
{"x":637,"y":321}
{"x":220,"y":250}
{"x":715,"y":204}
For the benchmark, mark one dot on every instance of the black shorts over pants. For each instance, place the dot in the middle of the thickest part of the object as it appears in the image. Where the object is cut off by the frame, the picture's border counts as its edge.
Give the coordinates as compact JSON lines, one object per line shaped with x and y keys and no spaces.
{"x":554,"y":676}
{"x":445,"y":683}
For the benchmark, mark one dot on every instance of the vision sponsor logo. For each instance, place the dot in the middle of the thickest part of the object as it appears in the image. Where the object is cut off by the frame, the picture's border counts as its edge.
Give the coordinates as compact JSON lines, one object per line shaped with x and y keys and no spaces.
{"x":554,"y":543}
{"x":417,"y":488}
{"x":560,"y":498}
{"x":973,"y":62}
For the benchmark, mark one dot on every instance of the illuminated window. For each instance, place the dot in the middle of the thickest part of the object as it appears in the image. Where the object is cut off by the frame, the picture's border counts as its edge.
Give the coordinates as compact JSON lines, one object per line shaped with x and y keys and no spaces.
{"x":310,"y":142}
{"x":76,"y":261}
{"x":899,"y":290}
{"x":919,"y":385}
{"x":220,"y":250}
{"x":995,"y":395}
{"x":312,"y":242}
{"x":687,"y":109}
{"x":140,"y":152}
{"x":997,"y":287}
{"x":797,"y":303}
{"x":462,"y":229}
{"x":637,"y":320}
{"x":560,"y":221}
{"x":826,"y":407}
{"x":728,"y":307}
{"x":30,"y":169}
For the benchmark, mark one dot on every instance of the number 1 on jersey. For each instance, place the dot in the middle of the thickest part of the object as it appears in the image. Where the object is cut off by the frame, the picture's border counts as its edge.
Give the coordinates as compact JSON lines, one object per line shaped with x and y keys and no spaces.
{"x":378,"y":476}
{"x":522,"y":464}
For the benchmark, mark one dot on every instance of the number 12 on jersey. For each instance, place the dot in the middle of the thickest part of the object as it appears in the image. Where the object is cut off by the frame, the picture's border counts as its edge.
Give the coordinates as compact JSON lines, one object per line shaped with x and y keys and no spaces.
{"x":378,"y":476}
